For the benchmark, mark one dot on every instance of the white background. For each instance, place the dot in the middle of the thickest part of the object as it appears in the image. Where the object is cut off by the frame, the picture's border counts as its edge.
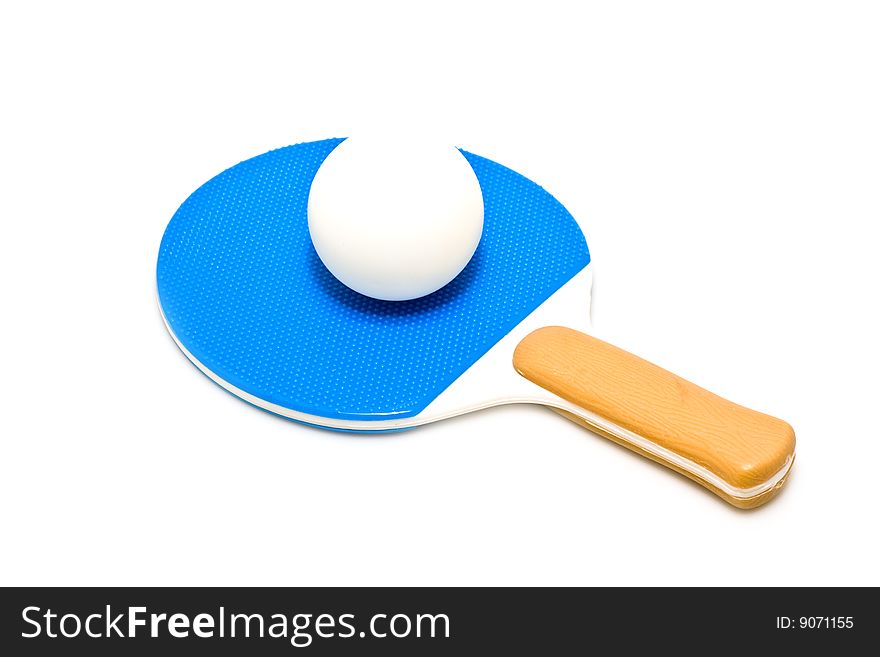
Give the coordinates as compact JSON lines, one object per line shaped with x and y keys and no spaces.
{"x":724,"y":163}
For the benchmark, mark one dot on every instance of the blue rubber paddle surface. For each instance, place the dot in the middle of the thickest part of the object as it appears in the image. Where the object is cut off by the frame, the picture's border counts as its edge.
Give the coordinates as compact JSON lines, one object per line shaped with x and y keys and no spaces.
{"x":243,"y":290}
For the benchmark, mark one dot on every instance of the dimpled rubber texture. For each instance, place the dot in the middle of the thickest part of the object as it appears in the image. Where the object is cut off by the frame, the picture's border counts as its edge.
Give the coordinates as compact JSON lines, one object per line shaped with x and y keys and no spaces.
{"x":243,"y":290}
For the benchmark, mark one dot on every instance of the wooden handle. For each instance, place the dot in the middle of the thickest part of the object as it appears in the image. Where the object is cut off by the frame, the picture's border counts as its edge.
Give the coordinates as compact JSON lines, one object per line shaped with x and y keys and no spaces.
{"x":742,"y":455}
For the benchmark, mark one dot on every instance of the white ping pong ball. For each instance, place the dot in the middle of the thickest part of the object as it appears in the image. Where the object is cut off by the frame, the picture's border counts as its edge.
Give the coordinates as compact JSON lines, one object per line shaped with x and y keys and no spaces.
{"x":395,"y":218}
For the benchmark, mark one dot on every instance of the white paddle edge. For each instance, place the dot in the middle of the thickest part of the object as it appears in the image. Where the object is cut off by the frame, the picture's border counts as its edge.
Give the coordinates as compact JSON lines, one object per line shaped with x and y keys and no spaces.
{"x":492,"y":381}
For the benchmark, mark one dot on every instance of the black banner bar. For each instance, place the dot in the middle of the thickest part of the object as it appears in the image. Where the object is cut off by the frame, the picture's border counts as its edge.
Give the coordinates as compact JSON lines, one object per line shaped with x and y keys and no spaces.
{"x":408,"y":621}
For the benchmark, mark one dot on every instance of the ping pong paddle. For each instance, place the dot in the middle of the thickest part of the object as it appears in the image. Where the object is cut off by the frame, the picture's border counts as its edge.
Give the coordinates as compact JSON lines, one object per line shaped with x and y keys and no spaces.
{"x":248,"y":301}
